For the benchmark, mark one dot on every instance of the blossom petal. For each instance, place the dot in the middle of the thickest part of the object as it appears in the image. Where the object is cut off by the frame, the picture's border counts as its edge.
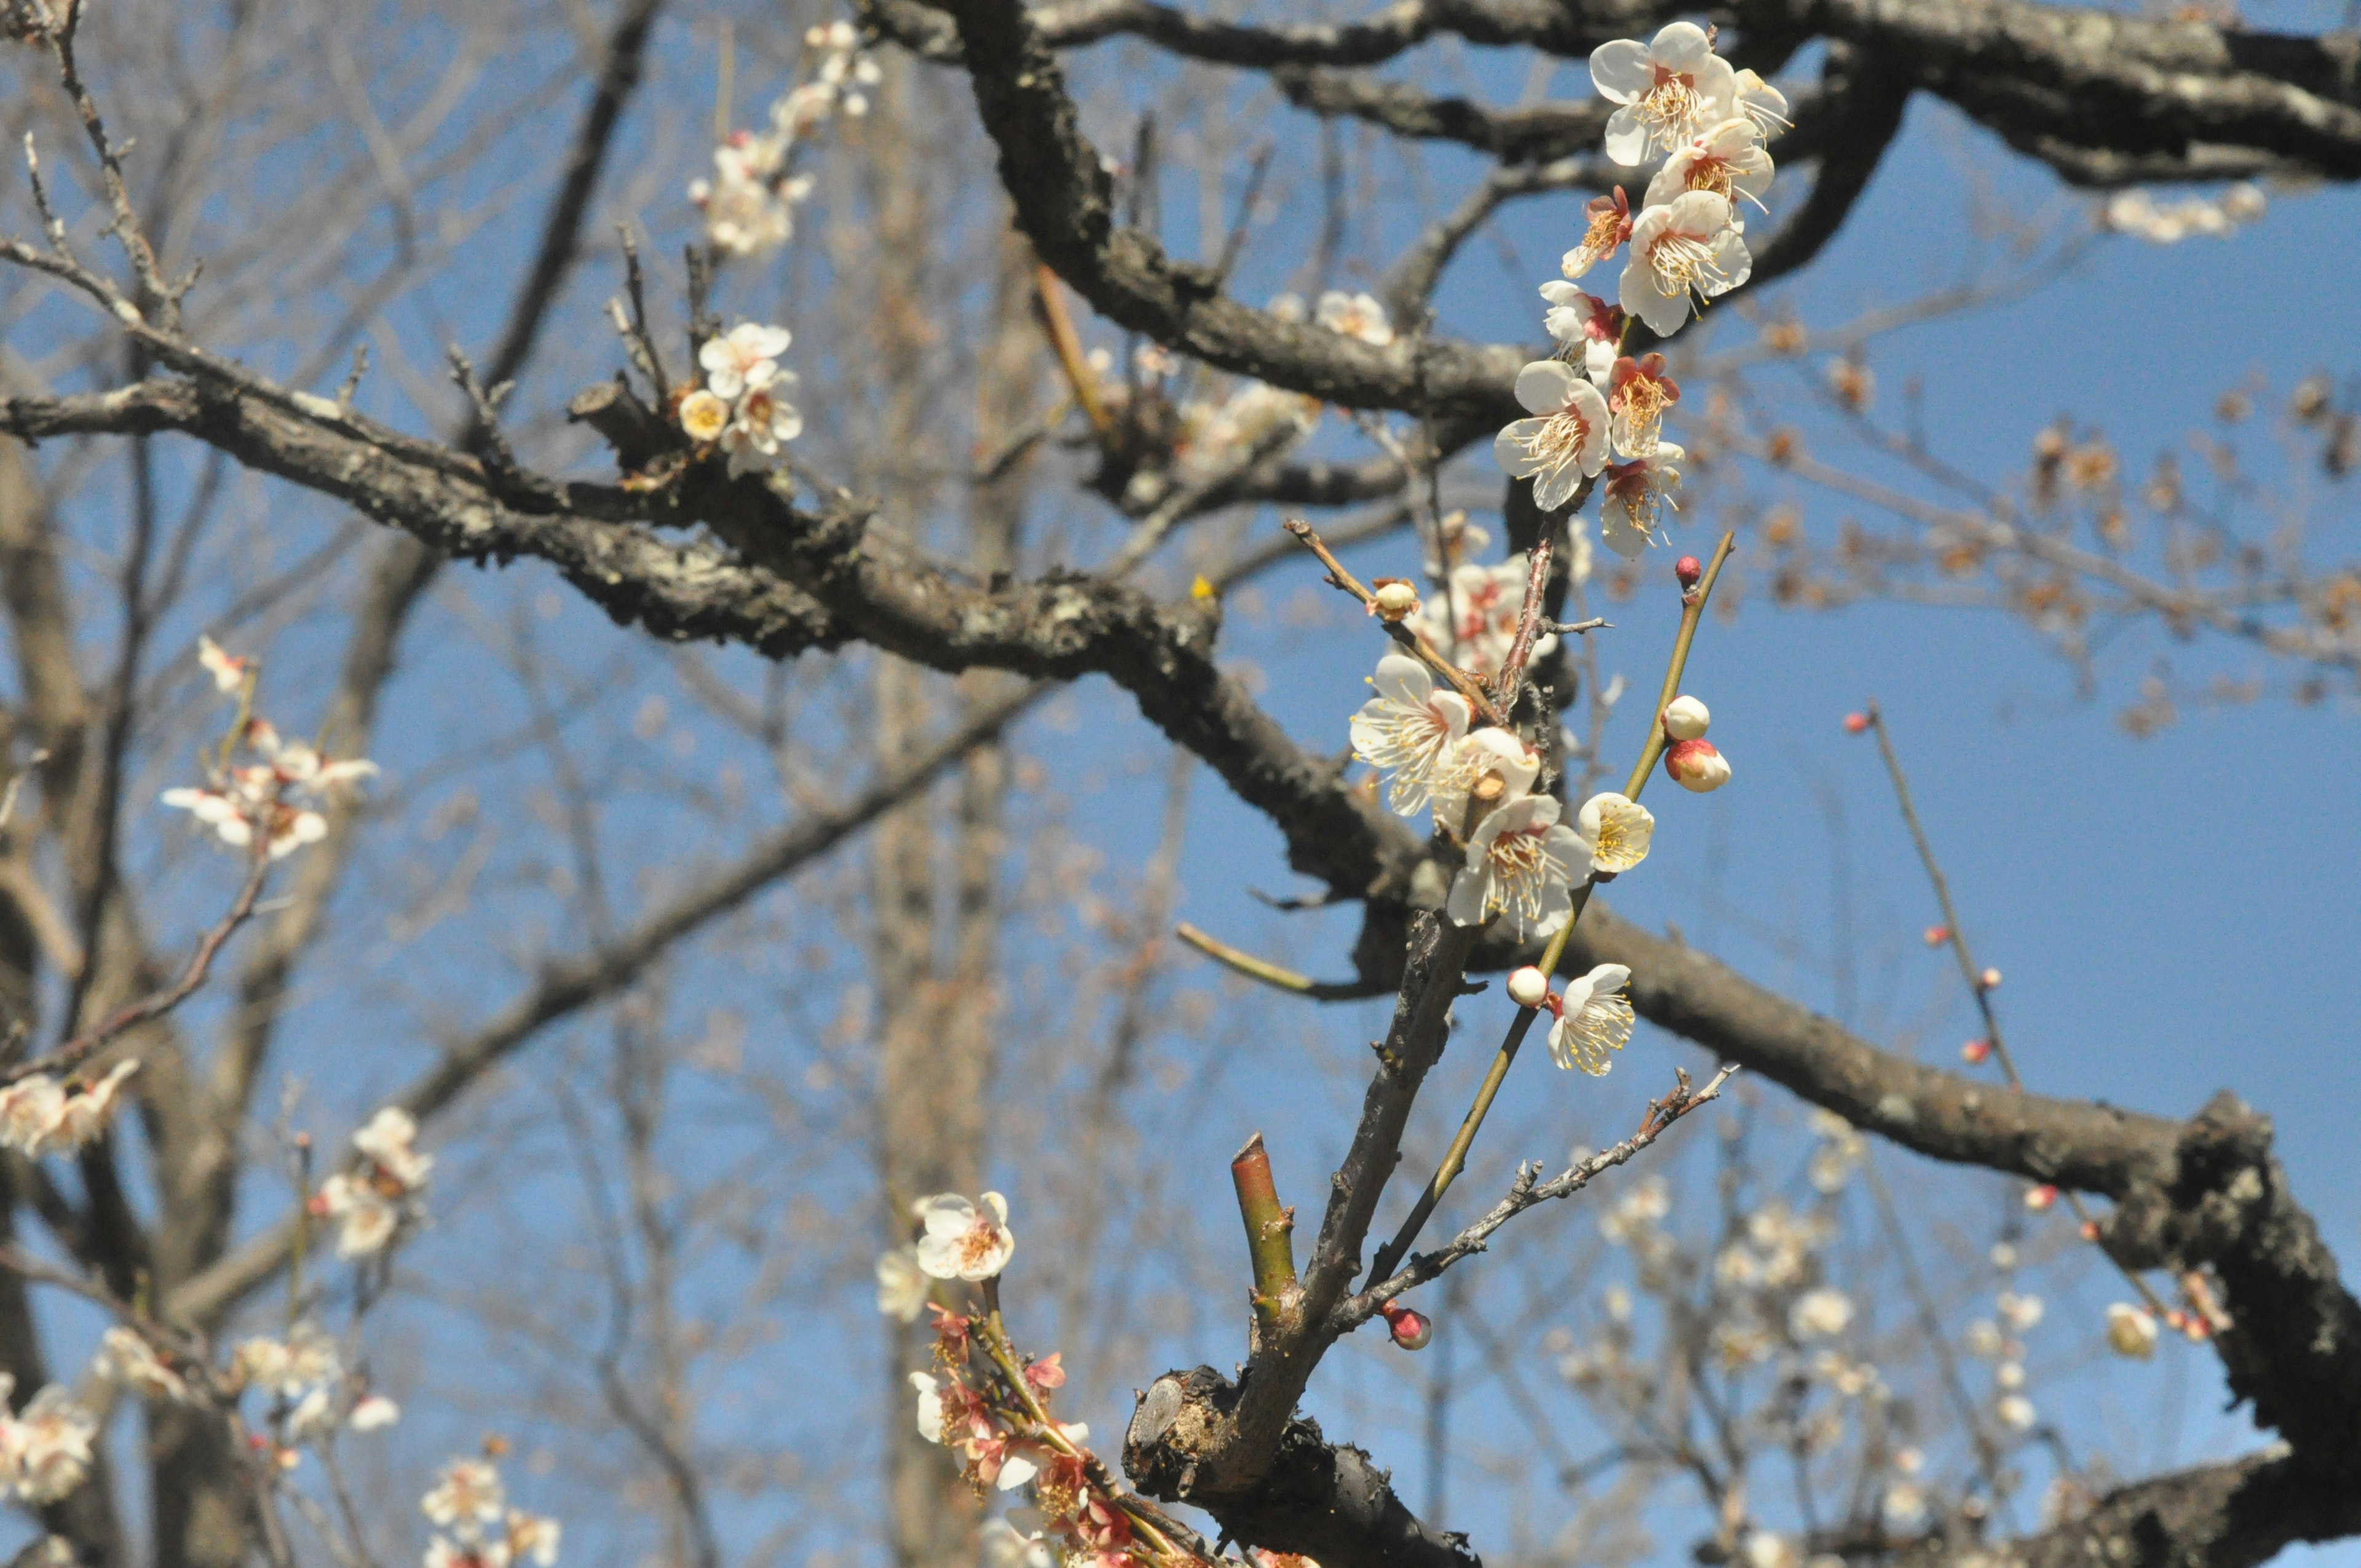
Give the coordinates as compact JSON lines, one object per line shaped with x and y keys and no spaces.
{"x":1620,"y":69}
{"x":1544,"y":385}
{"x":1404,"y":680}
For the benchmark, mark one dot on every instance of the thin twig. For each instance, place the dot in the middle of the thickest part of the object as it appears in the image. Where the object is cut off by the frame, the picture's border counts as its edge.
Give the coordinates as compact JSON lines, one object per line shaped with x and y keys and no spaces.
{"x":1463,"y":682}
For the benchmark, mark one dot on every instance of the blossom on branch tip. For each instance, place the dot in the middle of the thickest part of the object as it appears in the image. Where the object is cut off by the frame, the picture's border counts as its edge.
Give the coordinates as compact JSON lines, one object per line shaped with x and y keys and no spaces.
{"x":963,"y":1241}
{"x":1410,"y":729}
{"x":1587,"y":328}
{"x":744,"y":358}
{"x":1608,"y":224}
{"x":127,"y":1360}
{"x":1727,"y":160}
{"x":1593,"y":1018}
{"x":703,"y":416}
{"x":1975,"y":1051}
{"x":466,"y":1494}
{"x":228,"y":672}
{"x":1615,"y":830}
{"x":1393,"y":598}
{"x":1639,"y":394}
{"x":1666,"y":89}
{"x":41,"y":1116}
{"x":1357,"y":316}
{"x":1565,"y":443}
{"x":1520,"y":865}
{"x":1411,"y":1328}
{"x":1821,"y":1313}
{"x":1685,"y":251}
{"x":1696,"y":766}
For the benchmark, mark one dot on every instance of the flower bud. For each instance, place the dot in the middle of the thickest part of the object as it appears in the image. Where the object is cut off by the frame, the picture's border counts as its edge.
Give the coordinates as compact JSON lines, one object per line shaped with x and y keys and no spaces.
{"x":2131,"y":1331}
{"x":2040,"y":1198}
{"x":1989,"y":979}
{"x":1696,"y":766}
{"x":1856,"y":722}
{"x":1938,"y":935}
{"x":1410,"y":1330}
{"x":1395,"y":598}
{"x":1975,"y":1051}
{"x":1685,"y":718}
{"x":1528,"y":987}
{"x":1688,"y":569}
{"x":2090,"y":1230}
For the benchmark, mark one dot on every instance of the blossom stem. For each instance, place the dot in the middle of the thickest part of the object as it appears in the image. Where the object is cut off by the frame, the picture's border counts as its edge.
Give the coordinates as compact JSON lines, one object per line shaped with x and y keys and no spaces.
{"x":1956,"y":938}
{"x":1692,"y":611}
{"x":1461,"y":681}
{"x":1529,"y":619}
{"x":1454,"y":1158}
{"x":1270,"y":1234}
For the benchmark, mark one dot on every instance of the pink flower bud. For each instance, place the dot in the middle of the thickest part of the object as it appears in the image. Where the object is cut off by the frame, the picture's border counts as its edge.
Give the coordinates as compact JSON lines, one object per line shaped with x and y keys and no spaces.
{"x":1685,"y":718}
{"x":1410,"y":1330}
{"x":1696,"y":766}
{"x":2090,"y":1230}
{"x":1856,"y":722}
{"x":1938,"y":935}
{"x":1975,"y":1051}
{"x":1688,"y":569}
{"x":1528,"y":987}
{"x":2040,"y":1198}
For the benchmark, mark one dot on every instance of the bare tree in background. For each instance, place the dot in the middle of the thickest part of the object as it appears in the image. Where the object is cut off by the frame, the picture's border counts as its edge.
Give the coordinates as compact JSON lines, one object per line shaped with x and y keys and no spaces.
{"x":1031,"y":442}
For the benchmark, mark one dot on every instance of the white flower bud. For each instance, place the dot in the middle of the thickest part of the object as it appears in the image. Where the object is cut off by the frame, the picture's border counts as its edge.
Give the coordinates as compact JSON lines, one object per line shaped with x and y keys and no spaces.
{"x":2131,"y":1331}
{"x":1685,"y":718}
{"x":1395,"y":598}
{"x":1528,"y":987}
{"x":1696,"y":766}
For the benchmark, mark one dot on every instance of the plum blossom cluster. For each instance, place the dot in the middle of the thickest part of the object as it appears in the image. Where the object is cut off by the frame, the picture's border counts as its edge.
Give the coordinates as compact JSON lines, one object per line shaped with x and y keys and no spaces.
{"x":307,"y":1392}
{"x":40,"y":1115}
{"x":268,"y":802}
{"x":45,"y":1448}
{"x":384,"y":1192}
{"x":2138,"y":214}
{"x":750,"y":202}
{"x":992,"y":1407}
{"x":741,"y":410}
{"x":1593,"y":409}
{"x":475,"y":1526}
{"x":1473,"y":616}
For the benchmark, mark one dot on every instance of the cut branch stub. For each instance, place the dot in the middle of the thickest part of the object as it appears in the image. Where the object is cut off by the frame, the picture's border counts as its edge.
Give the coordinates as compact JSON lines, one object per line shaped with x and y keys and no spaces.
{"x":1271,"y":1241}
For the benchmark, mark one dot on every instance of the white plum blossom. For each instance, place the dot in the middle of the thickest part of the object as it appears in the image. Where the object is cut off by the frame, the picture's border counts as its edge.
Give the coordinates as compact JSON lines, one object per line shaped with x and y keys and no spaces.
{"x":901,"y":1284}
{"x":373,"y":1412}
{"x":1356,"y":316}
{"x":387,"y":1139}
{"x":228,"y":672}
{"x":2019,"y":1312}
{"x":1667,"y":91}
{"x":269,"y":799}
{"x":2016,"y":1412}
{"x":744,"y":358}
{"x":1410,"y":729}
{"x":1821,"y":1313}
{"x":703,"y":416}
{"x":1564,"y":443}
{"x":764,"y":421}
{"x":1639,"y":395}
{"x":1637,"y":493}
{"x":1728,"y":159}
{"x":372,"y":1201}
{"x":963,"y":1241}
{"x":1682,"y":252}
{"x":41,"y":1116}
{"x":2131,"y":1331}
{"x":1606,"y":223}
{"x":930,"y":1390}
{"x":466,"y":1496}
{"x":1473,"y":621}
{"x":1593,"y":1019}
{"x":49,"y":1442}
{"x":1615,"y":831}
{"x":1482,"y":754}
{"x":1587,"y":328}
{"x":128,"y":1361}
{"x":1762,"y":102}
{"x":1520,"y":864}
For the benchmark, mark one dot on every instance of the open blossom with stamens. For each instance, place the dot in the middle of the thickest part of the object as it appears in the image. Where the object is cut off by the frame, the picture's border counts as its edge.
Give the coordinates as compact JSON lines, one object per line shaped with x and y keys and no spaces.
{"x":1728,"y":159}
{"x":1681,"y":252}
{"x":1593,"y":1018}
{"x":1669,"y":89}
{"x":1411,"y":730}
{"x":1616,"y":830}
{"x":1587,"y":328}
{"x":764,"y":421}
{"x":1491,"y":762}
{"x":963,"y":1241}
{"x":128,"y":1361}
{"x":1639,"y":393}
{"x":703,"y":416}
{"x":1565,"y":443}
{"x":1520,"y":865}
{"x":745,"y":356}
{"x":1356,"y":316}
{"x":1608,"y":224}
{"x":1762,"y":102}
{"x":1636,"y":494}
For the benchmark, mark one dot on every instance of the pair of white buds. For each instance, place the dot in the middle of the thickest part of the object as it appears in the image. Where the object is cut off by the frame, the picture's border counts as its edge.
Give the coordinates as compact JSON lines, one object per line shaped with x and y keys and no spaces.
{"x":1693,"y":761}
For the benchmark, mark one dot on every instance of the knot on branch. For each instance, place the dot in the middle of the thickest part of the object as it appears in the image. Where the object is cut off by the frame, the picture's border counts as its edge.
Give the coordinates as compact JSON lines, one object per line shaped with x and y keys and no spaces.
{"x":1327,"y":1501}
